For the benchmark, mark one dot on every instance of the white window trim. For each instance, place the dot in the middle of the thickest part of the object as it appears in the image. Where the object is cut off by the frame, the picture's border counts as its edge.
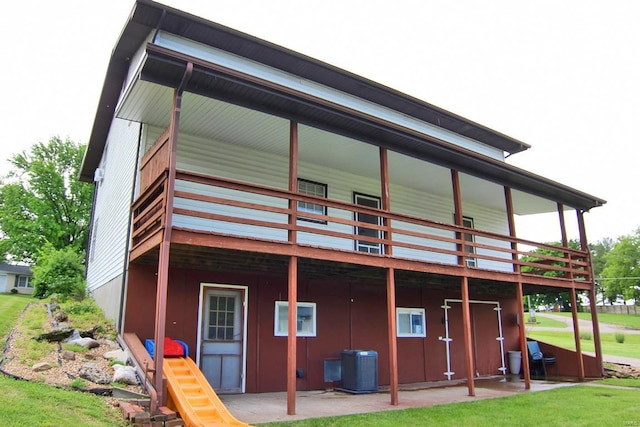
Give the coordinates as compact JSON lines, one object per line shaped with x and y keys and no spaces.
{"x":278,"y":332}
{"x":27,"y":284}
{"x":468,"y":222}
{"x":411,"y":311}
{"x":302,"y":210}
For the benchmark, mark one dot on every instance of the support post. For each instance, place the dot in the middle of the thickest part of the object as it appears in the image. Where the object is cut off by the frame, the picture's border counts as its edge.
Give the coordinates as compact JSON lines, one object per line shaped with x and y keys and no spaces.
{"x":391,"y":332}
{"x":468,"y":344}
{"x":576,"y":334}
{"x":584,"y":245}
{"x":163,"y":258}
{"x":385,"y":199}
{"x":292,"y":335}
{"x":523,"y":339}
{"x":293,"y":180}
{"x":464,"y":288}
{"x":522,"y":334}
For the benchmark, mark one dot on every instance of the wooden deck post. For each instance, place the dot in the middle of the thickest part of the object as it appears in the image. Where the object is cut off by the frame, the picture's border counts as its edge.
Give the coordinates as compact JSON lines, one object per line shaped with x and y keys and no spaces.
{"x":163,"y":257}
{"x":576,"y":334}
{"x":524,"y":350}
{"x":293,"y":180}
{"x":522,"y":333}
{"x":292,"y":335}
{"x":393,"y":344}
{"x":464,"y":287}
{"x":584,"y":245}
{"x":292,"y":329}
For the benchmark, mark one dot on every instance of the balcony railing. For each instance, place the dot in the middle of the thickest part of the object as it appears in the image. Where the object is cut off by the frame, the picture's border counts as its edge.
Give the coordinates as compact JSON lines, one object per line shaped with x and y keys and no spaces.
{"x":232,"y":208}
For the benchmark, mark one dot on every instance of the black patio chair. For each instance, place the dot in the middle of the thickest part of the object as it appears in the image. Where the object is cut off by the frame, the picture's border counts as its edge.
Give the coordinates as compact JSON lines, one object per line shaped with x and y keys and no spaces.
{"x":537,"y":358}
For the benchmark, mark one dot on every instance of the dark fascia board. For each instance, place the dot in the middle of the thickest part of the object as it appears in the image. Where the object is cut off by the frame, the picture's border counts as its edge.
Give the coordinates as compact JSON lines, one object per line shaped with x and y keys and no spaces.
{"x":147,"y":15}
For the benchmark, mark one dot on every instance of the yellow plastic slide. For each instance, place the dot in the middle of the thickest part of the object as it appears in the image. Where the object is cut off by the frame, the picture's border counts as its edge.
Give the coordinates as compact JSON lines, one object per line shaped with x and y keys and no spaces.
{"x":191,"y":395}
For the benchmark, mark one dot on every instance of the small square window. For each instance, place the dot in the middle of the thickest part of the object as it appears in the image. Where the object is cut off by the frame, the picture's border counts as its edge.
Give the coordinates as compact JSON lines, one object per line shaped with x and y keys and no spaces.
{"x":306,"y":319}
{"x":411,"y":322}
{"x":316,"y":189}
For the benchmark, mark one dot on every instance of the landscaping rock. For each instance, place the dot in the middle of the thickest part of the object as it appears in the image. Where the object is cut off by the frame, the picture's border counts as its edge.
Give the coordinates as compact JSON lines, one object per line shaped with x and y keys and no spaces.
{"x":41,"y":367}
{"x":125,"y":374}
{"x":55,"y":336}
{"x":119,"y":356}
{"x":91,"y":372}
{"x":68,"y":355}
{"x":85,"y":342}
{"x":61,"y":316}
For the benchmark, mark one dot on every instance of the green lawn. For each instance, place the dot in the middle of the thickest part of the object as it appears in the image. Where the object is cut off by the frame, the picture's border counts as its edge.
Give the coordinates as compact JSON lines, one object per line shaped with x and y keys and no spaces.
{"x":11,"y":305}
{"x":566,"y":406}
{"x":546,"y":322}
{"x":33,"y":404}
{"x":631,"y":321}
{"x":630,"y":347}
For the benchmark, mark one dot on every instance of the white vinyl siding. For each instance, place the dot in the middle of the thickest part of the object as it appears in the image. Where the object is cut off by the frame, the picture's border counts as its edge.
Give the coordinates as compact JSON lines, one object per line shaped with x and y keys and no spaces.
{"x":113,"y":204}
{"x":244,"y":164}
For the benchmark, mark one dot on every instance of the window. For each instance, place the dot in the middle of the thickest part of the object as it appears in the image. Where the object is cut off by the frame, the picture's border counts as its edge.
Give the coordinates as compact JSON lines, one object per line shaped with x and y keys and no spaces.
{"x":410,"y":322}
{"x":312,"y":189}
{"x":370,"y":246}
{"x":306,"y":324}
{"x":468,"y":237}
{"x":22,"y":282}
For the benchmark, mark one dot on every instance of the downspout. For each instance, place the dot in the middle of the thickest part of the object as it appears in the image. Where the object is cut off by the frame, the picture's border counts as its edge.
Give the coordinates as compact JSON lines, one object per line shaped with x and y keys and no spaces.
{"x":163,"y":262}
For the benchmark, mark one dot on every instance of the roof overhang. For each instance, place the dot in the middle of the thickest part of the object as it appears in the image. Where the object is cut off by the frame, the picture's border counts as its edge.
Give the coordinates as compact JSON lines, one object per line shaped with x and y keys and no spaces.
{"x":166,"y":67}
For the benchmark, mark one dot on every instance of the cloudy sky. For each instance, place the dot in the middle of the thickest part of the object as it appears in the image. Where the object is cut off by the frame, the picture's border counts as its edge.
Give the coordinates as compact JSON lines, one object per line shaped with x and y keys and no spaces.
{"x":562,"y":76}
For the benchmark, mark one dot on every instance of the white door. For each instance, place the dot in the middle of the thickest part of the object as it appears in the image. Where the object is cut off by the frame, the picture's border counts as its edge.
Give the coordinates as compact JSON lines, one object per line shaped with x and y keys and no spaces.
{"x":222,"y":338}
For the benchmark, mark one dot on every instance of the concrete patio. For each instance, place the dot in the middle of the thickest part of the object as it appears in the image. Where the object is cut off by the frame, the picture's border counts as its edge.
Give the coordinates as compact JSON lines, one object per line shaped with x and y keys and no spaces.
{"x":269,"y":407}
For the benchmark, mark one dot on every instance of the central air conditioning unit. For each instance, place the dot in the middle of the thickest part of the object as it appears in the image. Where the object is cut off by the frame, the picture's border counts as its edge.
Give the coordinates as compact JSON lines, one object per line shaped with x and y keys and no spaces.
{"x":359,"y":371}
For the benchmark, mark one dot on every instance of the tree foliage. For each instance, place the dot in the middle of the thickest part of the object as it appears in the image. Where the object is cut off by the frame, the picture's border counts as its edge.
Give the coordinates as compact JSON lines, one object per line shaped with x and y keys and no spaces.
{"x":621,"y":273}
{"x":59,"y":271}
{"x":42,"y":201}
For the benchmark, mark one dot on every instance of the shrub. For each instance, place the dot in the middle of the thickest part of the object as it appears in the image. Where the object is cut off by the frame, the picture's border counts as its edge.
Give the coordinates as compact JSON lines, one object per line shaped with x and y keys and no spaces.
{"x":59,"y":271}
{"x":13,"y":291}
{"x":78,"y":383}
{"x":585,"y":336}
{"x":619,"y":337}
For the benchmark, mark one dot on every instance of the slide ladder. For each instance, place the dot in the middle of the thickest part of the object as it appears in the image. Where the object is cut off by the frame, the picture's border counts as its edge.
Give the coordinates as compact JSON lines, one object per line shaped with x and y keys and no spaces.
{"x":191,"y":395}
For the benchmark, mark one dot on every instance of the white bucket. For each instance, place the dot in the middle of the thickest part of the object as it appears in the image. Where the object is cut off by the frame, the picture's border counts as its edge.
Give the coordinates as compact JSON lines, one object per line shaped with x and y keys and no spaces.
{"x":515,"y":360}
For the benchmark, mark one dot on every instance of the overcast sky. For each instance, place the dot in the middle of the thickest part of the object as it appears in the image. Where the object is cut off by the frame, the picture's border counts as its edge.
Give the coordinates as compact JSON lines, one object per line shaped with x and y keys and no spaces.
{"x":562,"y":76}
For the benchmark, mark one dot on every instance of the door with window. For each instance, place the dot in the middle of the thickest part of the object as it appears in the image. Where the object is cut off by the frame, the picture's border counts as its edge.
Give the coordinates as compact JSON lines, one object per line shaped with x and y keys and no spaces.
{"x":222,"y":358}
{"x":367,"y":241}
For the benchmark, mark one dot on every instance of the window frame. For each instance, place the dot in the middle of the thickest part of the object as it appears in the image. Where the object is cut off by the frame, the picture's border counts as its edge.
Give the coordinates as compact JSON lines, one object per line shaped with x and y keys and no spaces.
{"x":325,"y":188}
{"x":357,"y":242}
{"x":411,"y":311}
{"x":279,"y":332}
{"x":26,"y":284}
{"x":468,"y":222}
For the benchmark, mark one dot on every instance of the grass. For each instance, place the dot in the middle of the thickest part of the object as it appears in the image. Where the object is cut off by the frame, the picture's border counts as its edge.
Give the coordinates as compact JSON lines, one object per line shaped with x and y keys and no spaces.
{"x":35,"y":404}
{"x":630,"y":321}
{"x":589,"y":406}
{"x":630,"y":347}
{"x":545,"y":322}
{"x":620,"y":382}
{"x":11,"y":305}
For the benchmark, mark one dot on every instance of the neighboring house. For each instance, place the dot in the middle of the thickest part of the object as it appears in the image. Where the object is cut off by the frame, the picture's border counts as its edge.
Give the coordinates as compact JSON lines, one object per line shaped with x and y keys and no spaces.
{"x":233,"y":175}
{"x":16,"y":277}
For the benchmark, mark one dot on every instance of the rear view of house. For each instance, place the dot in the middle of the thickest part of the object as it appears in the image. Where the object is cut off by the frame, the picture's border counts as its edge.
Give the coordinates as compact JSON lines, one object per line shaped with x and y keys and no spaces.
{"x":236,"y":179}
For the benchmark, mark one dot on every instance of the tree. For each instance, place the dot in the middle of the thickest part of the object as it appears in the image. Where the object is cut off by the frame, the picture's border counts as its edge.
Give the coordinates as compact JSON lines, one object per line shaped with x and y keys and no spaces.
{"x":555,"y":298}
{"x":599,"y":250}
{"x":42,"y":201}
{"x":621,"y":273}
{"x":59,"y":271}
